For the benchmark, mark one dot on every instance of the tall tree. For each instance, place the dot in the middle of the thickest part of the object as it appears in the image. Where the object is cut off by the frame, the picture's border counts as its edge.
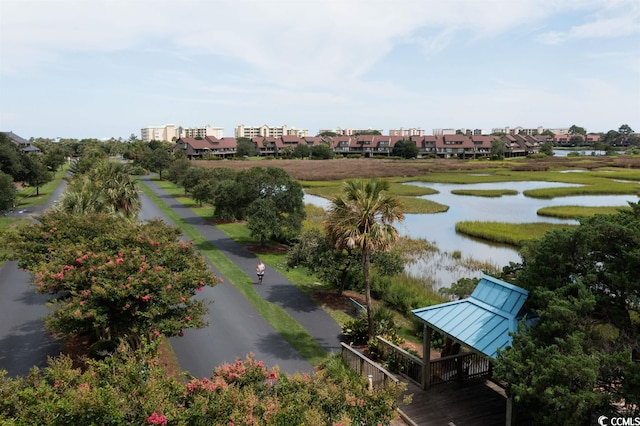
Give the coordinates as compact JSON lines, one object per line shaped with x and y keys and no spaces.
{"x":37,"y":172}
{"x":364,"y":216}
{"x":497,"y":149}
{"x":405,"y":149}
{"x":7,"y":192}
{"x":245,"y":148}
{"x":584,"y":285}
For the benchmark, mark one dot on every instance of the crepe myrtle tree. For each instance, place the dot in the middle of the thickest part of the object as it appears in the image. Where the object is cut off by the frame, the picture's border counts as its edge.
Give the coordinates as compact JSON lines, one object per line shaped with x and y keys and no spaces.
{"x":112,"y":279}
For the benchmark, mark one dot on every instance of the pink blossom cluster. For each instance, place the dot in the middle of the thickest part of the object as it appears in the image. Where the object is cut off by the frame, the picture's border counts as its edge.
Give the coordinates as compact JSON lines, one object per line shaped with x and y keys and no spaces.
{"x":354,"y":402}
{"x":206,"y":385}
{"x":157,"y":419}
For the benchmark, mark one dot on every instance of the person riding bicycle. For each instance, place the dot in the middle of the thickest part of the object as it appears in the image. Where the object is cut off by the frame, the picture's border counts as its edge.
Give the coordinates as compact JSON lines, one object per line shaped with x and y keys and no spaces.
{"x":260,"y":271}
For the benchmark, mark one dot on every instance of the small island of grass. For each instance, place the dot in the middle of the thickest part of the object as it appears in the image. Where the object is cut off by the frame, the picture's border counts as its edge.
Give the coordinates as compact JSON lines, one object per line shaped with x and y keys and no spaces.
{"x":492,"y":193}
{"x":576,"y":212}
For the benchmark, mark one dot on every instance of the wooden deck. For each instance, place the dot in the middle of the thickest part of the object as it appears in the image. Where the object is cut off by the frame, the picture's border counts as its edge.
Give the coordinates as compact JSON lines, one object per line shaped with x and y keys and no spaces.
{"x":473,"y":402}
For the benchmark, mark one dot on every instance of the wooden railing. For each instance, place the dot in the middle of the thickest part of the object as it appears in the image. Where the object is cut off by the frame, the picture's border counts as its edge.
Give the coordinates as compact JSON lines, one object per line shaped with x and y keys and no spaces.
{"x":400,"y":361}
{"x":459,"y":367}
{"x":366,"y":367}
{"x":442,"y":370}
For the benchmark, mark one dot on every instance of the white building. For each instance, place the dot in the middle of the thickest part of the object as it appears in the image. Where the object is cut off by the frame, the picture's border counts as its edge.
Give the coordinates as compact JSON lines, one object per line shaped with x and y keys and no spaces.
{"x":168,"y":133}
{"x":406,"y":132}
{"x":201,"y":132}
{"x":265,"y":131}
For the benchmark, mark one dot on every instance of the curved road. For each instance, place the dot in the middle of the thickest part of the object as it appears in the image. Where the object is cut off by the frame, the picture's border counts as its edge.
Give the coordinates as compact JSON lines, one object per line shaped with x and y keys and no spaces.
{"x":235,"y":327}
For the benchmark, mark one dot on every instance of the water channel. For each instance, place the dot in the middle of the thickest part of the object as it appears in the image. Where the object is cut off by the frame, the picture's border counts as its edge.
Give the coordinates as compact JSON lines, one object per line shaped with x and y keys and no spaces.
{"x":457,"y":251}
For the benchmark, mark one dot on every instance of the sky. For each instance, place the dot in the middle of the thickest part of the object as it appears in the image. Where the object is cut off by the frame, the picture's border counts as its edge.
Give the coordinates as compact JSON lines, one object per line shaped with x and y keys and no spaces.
{"x":106,"y":69}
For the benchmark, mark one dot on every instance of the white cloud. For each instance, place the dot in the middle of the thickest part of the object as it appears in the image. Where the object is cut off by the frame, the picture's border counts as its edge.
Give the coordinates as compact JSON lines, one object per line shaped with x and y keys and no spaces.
{"x":611,"y":19}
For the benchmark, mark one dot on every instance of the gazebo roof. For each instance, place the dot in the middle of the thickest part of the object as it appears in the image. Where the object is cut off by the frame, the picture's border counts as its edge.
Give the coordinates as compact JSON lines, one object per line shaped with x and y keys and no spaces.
{"x":484,"y":320}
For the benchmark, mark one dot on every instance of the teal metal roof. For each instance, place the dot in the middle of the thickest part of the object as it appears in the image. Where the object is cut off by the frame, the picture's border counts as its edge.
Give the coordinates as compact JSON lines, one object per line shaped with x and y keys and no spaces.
{"x":484,"y":320}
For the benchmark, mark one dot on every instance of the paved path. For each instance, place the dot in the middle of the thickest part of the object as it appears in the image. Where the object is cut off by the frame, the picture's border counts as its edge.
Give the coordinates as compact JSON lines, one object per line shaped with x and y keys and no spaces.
{"x":236,"y":328}
{"x":24,"y":343}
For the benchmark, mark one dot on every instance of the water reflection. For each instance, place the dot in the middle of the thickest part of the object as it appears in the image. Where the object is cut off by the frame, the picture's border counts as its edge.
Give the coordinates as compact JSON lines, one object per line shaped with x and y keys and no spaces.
{"x":439,"y":228}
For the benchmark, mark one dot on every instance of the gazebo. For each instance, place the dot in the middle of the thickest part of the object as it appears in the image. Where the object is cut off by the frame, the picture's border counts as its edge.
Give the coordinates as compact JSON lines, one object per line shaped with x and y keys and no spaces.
{"x":482,"y":323}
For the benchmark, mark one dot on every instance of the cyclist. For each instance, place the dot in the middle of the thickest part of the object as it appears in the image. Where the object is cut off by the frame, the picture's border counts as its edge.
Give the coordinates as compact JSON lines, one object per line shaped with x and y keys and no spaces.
{"x":260,"y":271}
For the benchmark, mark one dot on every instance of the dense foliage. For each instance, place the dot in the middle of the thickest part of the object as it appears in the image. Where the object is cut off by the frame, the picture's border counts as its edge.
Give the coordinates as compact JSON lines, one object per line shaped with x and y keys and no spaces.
{"x":111,"y":279}
{"x":583,"y":356}
{"x":132,"y":388}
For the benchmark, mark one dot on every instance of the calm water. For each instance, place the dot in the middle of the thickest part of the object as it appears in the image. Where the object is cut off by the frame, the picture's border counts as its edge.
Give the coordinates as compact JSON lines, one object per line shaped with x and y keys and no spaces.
{"x":439,"y":228}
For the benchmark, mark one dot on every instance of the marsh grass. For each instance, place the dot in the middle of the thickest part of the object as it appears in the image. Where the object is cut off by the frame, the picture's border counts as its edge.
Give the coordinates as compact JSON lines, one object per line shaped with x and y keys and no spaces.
{"x":576,"y":212}
{"x":514,"y":234}
{"x":492,"y":193}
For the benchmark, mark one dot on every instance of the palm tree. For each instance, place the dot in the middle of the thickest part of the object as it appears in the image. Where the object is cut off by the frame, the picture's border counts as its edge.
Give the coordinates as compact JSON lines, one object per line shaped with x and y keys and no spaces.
{"x":363,"y":217}
{"x":83,"y":197}
{"x":118,"y":187}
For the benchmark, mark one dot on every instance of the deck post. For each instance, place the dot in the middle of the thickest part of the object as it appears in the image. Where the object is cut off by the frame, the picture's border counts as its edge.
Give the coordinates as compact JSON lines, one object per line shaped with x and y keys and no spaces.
{"x":426,"y":357}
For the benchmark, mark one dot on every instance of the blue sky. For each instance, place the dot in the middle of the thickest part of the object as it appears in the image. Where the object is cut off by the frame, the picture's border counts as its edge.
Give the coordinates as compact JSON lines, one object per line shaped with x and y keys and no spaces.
{"x":100,"y":69}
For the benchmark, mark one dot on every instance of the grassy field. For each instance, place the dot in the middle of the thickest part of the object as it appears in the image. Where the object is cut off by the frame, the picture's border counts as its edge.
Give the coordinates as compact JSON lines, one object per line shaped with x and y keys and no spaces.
{"x":451,"y":171}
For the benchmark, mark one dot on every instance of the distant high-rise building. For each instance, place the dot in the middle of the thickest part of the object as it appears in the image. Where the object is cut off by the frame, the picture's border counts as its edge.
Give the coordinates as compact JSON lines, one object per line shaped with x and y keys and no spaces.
{"x":265,"y":131}
{"x":201,"y":132}
{"x":406,"y":132}
{"x":168,"y":132}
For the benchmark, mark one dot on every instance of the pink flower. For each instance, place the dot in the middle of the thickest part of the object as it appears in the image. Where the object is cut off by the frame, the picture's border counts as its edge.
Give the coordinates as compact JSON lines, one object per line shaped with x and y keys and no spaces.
{"x":157,"y":419}
{"x":76,"y":313}
{"x":78,"y":260}
{"x":183,"y":299}
{"x":169,"y":287}
{"x":119,"y":260}
{"x":187,"y":318}
{"x":199,"y":288}
{"x":273,"y":376}
{"x":146,"y":298}
{"x":156,"y":333}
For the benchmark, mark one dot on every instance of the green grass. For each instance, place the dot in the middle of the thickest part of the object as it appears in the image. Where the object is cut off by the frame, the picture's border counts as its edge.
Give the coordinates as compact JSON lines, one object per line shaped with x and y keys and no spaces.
{"x":492,"y":193}
{"x":277,"y":317}
{"x":576,"y":212}
{"x":515,"y":234}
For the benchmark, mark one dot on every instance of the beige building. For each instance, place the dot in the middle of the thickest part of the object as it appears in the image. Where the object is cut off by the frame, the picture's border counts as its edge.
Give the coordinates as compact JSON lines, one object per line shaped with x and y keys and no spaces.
{"x":265,"y":131}
{"x":159,"y":133}
{"x":406,"y":132}
{"x":201,"y":132}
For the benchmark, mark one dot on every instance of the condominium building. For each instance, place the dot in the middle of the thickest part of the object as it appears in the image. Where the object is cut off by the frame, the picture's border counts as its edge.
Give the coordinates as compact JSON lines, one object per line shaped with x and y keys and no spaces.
{"x":406,"y":132}
{"x":201,"y":132}
{"x":265,"y":131}
{"x":348,"y":131}
{"x":168,"y":132}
